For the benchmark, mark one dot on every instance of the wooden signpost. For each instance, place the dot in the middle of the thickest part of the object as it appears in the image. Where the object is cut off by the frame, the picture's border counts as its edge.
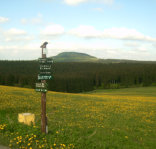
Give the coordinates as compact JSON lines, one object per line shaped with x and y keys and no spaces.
{"x":45,"y":74}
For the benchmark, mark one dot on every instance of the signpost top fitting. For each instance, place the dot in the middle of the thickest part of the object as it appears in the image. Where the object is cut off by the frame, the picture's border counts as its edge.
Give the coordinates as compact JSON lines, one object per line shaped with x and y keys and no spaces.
{"x":44,"y":45}
{"x":44,"y":51}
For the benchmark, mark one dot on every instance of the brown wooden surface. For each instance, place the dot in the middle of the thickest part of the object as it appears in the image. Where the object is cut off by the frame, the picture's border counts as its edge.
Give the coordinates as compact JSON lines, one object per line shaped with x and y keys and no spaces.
{"x":43,"y":105}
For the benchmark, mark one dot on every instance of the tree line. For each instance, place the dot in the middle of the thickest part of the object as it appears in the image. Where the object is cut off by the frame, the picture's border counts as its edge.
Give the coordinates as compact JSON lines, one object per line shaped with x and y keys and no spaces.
{"x":78,"y":77}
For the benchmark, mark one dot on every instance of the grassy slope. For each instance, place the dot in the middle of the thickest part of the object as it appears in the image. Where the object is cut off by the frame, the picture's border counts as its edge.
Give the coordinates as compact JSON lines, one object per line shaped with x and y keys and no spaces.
{"x":139,"y":91}
{"x":105,"y":119}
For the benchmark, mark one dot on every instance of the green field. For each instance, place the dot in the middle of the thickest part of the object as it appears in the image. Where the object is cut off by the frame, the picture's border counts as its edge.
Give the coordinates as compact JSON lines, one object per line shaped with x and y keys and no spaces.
{"x":102,"y":119}
{"x":140,"y":91}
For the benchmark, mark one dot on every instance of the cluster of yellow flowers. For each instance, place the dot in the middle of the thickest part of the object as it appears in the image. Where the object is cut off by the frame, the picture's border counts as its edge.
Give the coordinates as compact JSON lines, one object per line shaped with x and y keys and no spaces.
{"x":3,"y":126}
{"x":31,"y":141}
{"x":62,"y":146}
{"x":26,"y":141}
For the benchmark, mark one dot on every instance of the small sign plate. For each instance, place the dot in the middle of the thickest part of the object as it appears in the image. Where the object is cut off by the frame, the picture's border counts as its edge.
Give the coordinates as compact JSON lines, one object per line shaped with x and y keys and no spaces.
{"x":41,"y":85}
{"x":45,"y":60}
{"x":45,"y":67}
{"x":45,"y":73}
{"x":44,"y":77}
{"x":40,"y":90}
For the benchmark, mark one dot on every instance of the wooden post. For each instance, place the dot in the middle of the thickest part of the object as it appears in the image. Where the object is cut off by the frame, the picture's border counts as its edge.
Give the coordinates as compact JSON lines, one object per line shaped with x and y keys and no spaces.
{"x":43,"y":104}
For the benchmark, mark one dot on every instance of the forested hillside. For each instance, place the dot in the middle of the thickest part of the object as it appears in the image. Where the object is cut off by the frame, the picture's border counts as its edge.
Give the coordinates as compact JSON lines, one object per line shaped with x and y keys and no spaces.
{"x":79,"y":77}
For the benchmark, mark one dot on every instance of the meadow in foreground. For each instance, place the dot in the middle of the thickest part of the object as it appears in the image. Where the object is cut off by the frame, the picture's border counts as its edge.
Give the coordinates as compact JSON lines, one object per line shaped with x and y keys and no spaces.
{"x":108,"y":119}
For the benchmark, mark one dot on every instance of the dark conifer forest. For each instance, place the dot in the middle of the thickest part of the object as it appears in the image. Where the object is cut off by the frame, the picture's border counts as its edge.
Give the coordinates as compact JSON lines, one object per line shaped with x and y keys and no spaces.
{"x":78,"y":77}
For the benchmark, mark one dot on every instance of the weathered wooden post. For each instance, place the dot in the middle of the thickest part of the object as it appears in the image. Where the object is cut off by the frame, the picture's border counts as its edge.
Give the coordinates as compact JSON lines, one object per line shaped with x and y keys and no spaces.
{"x":45,"y":74}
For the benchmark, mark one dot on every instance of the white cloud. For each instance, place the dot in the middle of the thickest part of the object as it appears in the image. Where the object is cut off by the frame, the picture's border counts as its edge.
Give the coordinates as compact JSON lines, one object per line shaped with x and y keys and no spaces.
{"x":86,"y":32}
{"x":53,"y":30}
{"x":3,"y":20}
{"x":19,"y":52}
{"x":95,"y":48}
{"x":79,"y":46}
{"x":32,"y":50}
{"x":132,"y":44}
{"x":8,"y":47}
{"x":18,"y":38}
{"x":101,"y":50}
{"x":15,"y":32}
{"x":35,"y":20}
{"x":76,"y":2}
{"x":108,"y":2}
{"x":142,"y":49}
{"x":126,"y":34}
{"x":112,"y":33}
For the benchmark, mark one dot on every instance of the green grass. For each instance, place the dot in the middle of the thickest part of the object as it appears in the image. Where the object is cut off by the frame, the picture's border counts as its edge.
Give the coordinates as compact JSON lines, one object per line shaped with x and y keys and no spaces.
{"x":139,"y":91}
{"x":102,"y":119}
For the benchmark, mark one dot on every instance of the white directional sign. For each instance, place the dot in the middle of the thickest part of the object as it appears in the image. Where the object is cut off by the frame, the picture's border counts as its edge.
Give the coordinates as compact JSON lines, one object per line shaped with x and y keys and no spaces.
{"x":45,"y":60}
{"x":41,"y":90}
{"x":41,"y":85}
{"x":45,"y":67}
{"x":45,"y":73}
{"x":40,"y":77}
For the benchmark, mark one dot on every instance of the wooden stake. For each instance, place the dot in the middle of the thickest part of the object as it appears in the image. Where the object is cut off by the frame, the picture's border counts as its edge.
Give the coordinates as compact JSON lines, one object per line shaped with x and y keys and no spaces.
{"x":43,"y":105}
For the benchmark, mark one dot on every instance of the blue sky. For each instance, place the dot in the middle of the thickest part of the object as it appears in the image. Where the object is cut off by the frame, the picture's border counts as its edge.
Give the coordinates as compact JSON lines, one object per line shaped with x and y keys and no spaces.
{"x":103,"y":28}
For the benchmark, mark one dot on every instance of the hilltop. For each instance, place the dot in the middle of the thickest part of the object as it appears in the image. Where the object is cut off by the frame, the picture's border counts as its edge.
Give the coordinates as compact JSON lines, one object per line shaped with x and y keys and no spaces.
{"x":74,"y":57}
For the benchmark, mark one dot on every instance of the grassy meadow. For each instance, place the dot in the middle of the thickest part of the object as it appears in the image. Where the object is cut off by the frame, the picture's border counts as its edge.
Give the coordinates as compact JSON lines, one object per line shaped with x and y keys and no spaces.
{"x":102,"y":119}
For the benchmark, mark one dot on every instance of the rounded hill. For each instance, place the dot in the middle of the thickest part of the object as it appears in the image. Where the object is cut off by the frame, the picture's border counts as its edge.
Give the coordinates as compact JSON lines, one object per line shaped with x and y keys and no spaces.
{"x":74,"y":57}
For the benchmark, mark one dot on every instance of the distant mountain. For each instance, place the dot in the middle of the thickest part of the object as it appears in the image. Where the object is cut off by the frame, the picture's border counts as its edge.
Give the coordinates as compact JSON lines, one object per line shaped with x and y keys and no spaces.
{"x":82,"y":57}
{"x":74,"y":57}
